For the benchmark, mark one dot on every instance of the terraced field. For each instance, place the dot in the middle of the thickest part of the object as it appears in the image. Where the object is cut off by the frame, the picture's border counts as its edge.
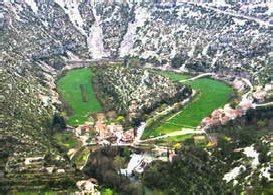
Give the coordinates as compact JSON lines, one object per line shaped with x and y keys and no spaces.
{"x":76,"y":90}
{"x":212,"y":95}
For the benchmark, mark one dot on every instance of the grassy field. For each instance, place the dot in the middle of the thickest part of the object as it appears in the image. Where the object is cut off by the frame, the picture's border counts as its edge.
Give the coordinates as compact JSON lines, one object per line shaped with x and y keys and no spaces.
{"x":81,"y":156}
{"x":67,"y":140}
{"x":213,"y":94}
{"x":174,"y":76}
{"x":35,"y":193}
{"x":76,"y":90}
{"x":175,"y":138}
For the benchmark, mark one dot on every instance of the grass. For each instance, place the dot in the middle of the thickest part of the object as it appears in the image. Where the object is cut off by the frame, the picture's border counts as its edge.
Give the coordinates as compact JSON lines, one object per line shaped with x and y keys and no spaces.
{"x":212,"y":95}
{"x":107,"y":191}
{"x":35,"y":193}
{"x":174,"y":76}
{"x":81,"y":157}
{"x":76,"y":90}
{"x":67,"y":140}
{"x":175,"y":138}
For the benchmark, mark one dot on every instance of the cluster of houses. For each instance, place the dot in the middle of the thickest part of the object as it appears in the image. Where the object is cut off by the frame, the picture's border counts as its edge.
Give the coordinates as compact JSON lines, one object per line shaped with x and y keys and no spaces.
{"x":106,"y":133}
{"x":88,"y":187}
{"x":114,"y":131}
{"x":238,"y":85}
{"x":222,"y":116}
{"x":133,"y":108}
{"x":262,"y":93}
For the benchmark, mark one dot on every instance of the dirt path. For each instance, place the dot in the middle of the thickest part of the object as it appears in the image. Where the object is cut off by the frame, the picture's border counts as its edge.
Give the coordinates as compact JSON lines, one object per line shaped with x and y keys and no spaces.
{"x":199,"y":76}
{"x":184,"y":131}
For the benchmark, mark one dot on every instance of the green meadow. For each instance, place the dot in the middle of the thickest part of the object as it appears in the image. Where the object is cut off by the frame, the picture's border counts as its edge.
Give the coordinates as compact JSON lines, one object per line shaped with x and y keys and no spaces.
{"x":178,"y":138}
{"x":67,"y":140}
{"x":76,"y":90}
{"x":212,"y":94}
{"x":174,"y":76}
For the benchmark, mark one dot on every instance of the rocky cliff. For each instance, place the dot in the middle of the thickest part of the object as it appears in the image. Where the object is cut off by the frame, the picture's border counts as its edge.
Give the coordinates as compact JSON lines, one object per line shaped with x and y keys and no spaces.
{"x":224,"y":38}
{"x":38,"y":36}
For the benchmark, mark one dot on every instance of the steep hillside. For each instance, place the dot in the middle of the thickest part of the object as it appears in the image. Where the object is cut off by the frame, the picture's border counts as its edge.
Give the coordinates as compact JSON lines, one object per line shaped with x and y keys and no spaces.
{"x":182,"y":36}
{"x":117,"y":87}
{"x":28,"y":152}
{"x":40,"y":35}
{"x":27,"y":149}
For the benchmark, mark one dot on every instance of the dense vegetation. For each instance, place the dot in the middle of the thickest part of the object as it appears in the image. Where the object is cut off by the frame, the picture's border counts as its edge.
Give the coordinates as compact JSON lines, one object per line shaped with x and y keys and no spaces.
{"x":191,"y":172}
{"x":66,"y":140}
{"x":212,"y":95}
{"x":105,"y":163}
{"x":76,"y":90}
{"x":38,"y":41}
{"x":118,"y":86}
{"x":195,"y":171}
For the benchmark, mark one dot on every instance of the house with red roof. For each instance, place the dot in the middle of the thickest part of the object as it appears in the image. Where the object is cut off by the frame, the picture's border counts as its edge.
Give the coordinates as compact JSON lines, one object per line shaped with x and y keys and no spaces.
{"x":260,"y":95}
{"x":225,"y":119}
{"x":217,"y":114}
{"x":101,"y":128}
{"x":268,"y":87}
{"x":232,"y":114}
{"x":244,"y":106}
{"x":206,"y":121}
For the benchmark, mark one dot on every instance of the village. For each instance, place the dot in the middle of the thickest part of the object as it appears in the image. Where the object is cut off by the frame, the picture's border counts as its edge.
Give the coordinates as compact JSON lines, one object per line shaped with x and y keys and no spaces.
{"x":255,"y":97}
{"x":44,"y":39}
{"x":107,"y":129}
{"x":113,"y":133}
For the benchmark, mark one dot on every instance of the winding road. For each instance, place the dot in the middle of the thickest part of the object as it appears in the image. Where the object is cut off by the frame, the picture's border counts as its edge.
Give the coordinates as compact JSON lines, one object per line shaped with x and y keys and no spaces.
{"x":184,"y":131}
{"x":198,"y":77}
{"x":259,"y":21}
{"x":264,"y":104}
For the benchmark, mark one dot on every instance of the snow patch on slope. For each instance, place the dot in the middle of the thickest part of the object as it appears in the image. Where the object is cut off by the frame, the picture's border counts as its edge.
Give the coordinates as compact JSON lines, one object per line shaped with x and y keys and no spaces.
{"x":252,"y":153}
{"x":265,"y":173}
{"x":270,"y":8}
{"x":141,"y":15}
{"x":73,"y":12}
{"x":239,"y":21}
{"x":32,"y":5}
{"x":235,"y":172}
{"x":191,"y":52}
{"x":94,"y":39}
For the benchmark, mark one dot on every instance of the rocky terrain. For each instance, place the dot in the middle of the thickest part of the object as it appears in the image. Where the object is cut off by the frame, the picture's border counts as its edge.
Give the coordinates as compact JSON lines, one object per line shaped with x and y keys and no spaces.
{"x":224,"y":39}
{"x":117,"y":87}
{"x":39,"y":37}
{"x":27,"y":149}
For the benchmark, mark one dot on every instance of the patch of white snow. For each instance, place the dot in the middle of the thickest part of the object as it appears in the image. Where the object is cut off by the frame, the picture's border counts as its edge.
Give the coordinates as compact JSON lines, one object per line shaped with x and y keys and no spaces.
{"x":191,"y":52}
{"x":136,"y":159}
{"x":233,"y":173}
{"x":72,"y":56}
{"x":73,"y":12}
{"x":94,"y":39}
{"x":252,"y":153}
{"x":265,"y":173}
{"x":141,"y":15}
{"x":32,"y":5}
{"x":239,"y":21}
{"x":140,"y":131}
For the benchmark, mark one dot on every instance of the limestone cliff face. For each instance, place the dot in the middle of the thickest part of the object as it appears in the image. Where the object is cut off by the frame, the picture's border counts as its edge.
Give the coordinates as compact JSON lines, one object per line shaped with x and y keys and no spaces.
{"x":117,"y":87}
{"x":183,"y":36}
{"x":39,"y":37}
